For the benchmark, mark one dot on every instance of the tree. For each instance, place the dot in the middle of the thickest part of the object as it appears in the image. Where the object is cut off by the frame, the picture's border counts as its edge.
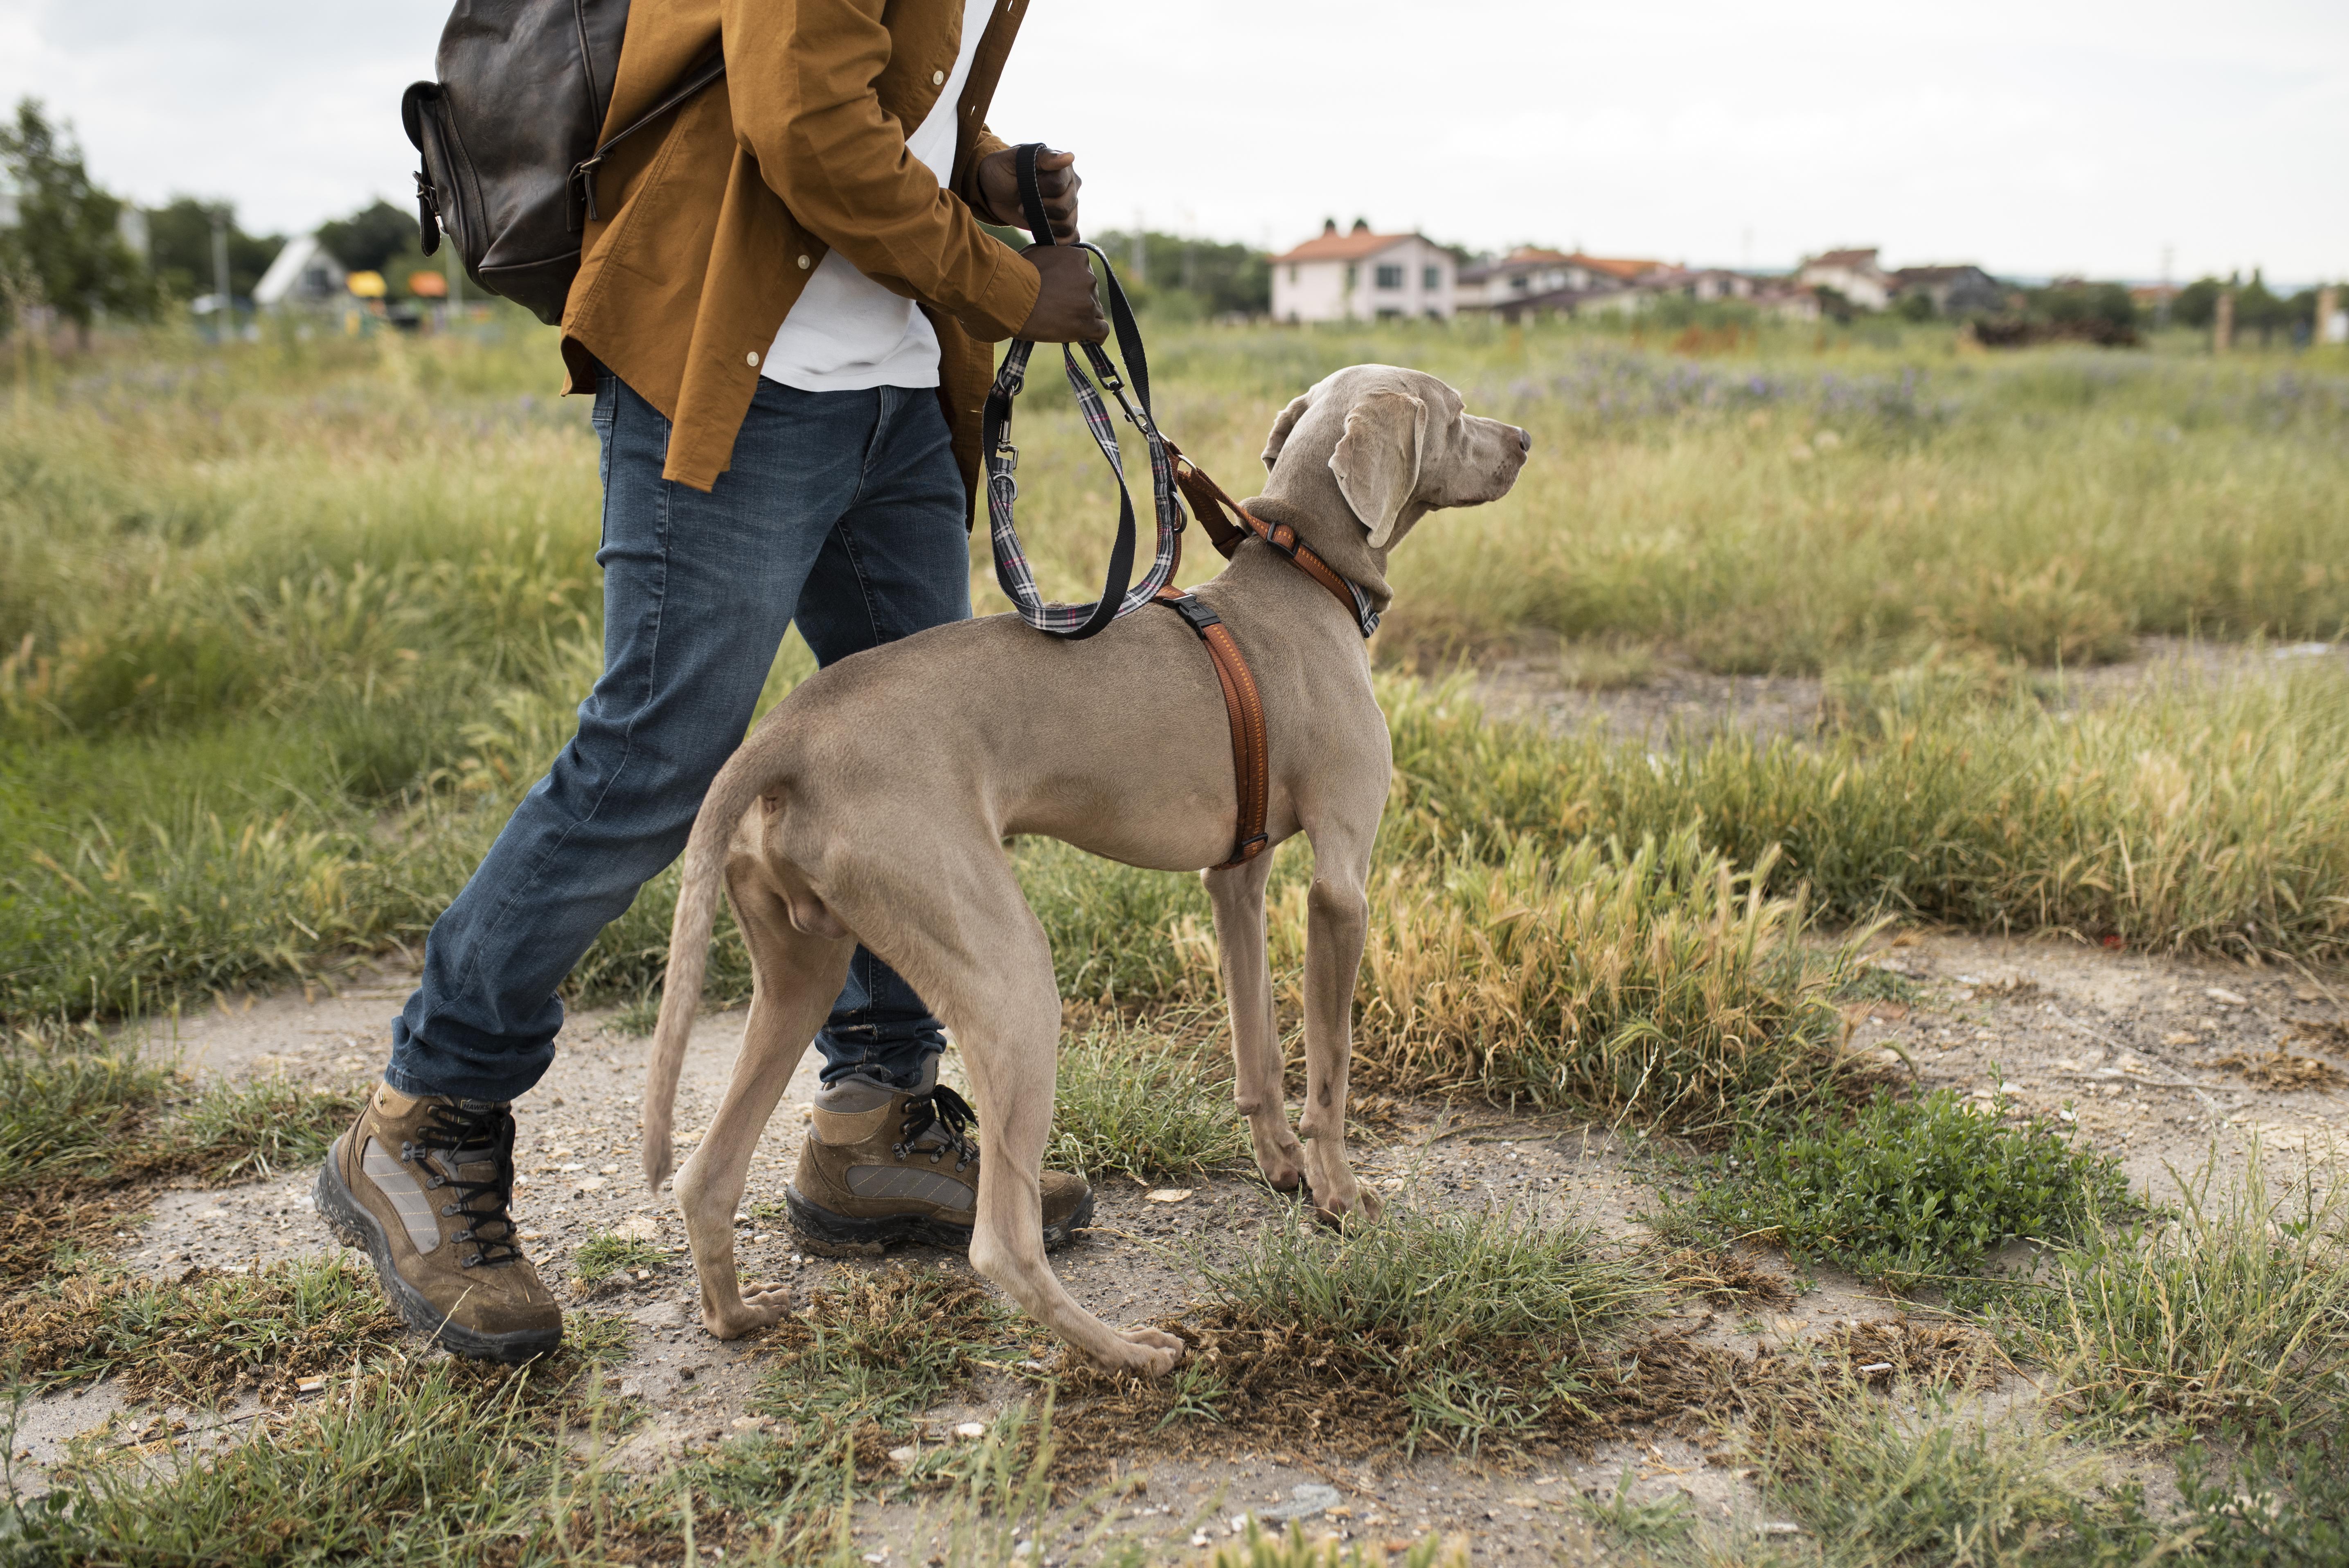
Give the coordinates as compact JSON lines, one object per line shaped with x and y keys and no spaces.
{"x":179,"y":245}
{"x":369,"y":238}
{"x":2074,"y":300}
{"x":2197,"y":304}
{"x":65,"y":246}
{"x":2258,"y":309}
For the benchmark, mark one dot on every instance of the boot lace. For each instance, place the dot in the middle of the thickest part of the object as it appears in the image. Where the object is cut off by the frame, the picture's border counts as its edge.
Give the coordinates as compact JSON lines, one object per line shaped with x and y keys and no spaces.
{"x":947,"y":1111}
{"x":486,"y":1134}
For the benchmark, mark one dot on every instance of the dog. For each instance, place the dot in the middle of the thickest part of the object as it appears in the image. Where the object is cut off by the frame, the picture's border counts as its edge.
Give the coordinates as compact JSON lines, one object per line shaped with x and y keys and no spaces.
{"x":822,"y":836}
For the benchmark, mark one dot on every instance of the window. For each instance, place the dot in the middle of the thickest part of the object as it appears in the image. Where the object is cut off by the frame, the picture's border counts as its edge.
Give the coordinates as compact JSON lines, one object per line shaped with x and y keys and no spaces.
{"x":1349,"y":274}
{"x":1432,"y":279}
{"x":1292,"y":273}
{"x":1390,"y":276}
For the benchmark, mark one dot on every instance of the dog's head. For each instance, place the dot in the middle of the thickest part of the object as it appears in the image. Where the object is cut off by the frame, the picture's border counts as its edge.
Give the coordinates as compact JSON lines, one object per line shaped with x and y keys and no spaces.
{"x":1399,"y":444}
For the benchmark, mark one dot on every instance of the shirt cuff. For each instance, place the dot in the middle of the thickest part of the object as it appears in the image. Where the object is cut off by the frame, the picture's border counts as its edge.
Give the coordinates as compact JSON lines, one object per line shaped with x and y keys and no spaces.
{"x":1009,"y":297}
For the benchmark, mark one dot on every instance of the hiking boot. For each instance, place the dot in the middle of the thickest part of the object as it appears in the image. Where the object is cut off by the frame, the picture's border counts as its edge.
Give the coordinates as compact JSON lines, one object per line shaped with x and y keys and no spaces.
{"x":423,"y":1186}
{"x":884,"y":1164}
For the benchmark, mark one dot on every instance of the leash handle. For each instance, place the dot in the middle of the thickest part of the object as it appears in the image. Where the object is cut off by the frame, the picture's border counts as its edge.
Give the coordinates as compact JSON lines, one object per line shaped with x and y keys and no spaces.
{"x":1032,"y":190}
{"x":1120,"y":595}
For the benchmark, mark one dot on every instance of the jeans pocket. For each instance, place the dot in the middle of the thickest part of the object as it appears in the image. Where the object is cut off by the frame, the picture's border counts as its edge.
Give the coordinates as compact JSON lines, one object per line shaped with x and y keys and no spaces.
{"x":607,"y":399}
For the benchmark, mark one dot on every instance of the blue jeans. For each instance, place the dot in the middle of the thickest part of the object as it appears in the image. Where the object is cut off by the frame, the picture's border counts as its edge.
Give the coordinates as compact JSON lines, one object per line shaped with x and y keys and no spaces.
{"x":843,"y":510}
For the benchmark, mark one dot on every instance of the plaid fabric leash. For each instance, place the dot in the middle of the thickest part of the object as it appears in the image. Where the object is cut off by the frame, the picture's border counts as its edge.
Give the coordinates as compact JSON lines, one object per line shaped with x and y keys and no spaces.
{"x":1013,"y":573}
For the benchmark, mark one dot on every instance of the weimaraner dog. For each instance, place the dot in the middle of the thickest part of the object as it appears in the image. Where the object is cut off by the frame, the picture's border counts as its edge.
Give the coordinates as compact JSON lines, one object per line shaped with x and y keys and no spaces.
{"x":821,"y":837}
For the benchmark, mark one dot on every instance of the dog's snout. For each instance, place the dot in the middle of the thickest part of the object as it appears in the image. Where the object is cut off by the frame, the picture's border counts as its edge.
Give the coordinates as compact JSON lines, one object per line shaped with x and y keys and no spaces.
{"x":1524,"y":439}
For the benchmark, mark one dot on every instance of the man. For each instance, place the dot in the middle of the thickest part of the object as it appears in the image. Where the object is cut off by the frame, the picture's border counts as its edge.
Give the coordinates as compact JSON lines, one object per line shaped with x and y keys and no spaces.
{"x":783,"y":314}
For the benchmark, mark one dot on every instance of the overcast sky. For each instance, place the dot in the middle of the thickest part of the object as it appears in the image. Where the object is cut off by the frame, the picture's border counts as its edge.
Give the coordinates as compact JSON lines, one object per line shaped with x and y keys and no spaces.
{"x":2034,"y":136}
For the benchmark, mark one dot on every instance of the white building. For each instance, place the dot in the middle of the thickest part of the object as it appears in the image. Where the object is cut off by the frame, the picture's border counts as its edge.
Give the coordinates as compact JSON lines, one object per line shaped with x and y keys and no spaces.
{"x":302,"y":274}
{"x":1530,"y":274}
{"x":1360,"y":275}
{"x":1850,"y":273}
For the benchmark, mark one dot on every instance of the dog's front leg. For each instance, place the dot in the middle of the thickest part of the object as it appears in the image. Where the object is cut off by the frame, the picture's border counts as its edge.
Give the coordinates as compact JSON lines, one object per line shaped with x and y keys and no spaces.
{"x":1010,"y":1053}
{"x":1237,"y":894}
{"x":1338,"y":920}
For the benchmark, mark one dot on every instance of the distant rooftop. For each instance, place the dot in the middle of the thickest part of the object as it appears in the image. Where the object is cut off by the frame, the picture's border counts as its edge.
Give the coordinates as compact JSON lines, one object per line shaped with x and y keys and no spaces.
{"x":1333,"y":244}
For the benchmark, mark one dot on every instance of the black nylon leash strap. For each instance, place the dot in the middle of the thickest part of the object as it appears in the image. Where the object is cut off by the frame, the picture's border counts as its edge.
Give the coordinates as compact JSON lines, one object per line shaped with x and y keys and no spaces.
{"x":1119,"y":594}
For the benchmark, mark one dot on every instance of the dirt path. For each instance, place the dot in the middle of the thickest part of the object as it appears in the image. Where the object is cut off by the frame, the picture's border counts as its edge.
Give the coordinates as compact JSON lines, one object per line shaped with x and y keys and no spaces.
{"x":2126,"y":1042}
{"x":1650,"y":697}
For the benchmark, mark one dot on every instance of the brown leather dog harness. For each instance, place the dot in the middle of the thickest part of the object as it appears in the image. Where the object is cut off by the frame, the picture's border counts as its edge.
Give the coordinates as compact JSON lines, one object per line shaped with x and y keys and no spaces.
{"x":1227,"y":523}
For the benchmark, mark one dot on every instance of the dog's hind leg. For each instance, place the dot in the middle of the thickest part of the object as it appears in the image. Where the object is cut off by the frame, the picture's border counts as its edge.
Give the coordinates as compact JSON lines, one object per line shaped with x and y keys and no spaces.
{"x":1237,"y":894}
{"x":796,"y":978}
{"x":1337,"y":917}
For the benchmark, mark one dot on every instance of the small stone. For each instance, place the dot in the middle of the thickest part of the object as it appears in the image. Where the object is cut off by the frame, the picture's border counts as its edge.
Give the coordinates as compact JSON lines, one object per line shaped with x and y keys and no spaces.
{"x":971,"y":1430}
{"x":2225,"y":998}
{"x":1168,"y":1194}
{"x":610,"y":1169}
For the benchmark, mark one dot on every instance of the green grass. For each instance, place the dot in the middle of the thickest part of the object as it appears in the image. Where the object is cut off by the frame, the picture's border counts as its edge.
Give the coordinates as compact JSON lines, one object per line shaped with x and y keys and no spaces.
{"x":1876,"y":1485}
{"x":1468,"y":1332}
{"x":1905,"y":1192}
{"x":876,"y":1349}
{"x":83,"y":1110}
{"x":67,"y":1108}
{"x":1130,"y":1102}
{"x":201,"y":1339}
{"x":2233,"y":1312}
{"x":252,"y":1131}
{"x":601,"y":1256}
{"x":284,"y":630}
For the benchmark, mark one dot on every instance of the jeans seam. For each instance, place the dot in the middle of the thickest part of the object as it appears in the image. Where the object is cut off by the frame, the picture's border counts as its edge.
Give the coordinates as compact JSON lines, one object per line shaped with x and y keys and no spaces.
{"x":628,"y":735}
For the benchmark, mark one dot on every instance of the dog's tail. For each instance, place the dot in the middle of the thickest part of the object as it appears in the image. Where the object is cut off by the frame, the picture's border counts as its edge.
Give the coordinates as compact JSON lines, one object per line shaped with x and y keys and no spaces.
{"x":746,"y":775}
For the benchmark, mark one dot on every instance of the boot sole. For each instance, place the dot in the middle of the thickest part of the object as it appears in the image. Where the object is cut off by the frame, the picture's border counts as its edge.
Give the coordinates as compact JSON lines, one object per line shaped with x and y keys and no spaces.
{"x":351,"y":1222}
{"x":841,"y":1236}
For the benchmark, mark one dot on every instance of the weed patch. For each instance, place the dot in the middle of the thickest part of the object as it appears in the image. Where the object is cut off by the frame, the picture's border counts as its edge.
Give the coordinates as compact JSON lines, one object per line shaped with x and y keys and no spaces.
{"x":202,"y":1337}
{"x":1877,"y":1484}
{"x":875,"y":1349}
{"x":1129,"y":1102}
{"x":600,"y":1257}
{"x":1656,"y":986}
{"x":250,"y":1131}
{"x":2234,"y":1312}
{"x":1905,"y":1192}
{"x":1462,"y":1331}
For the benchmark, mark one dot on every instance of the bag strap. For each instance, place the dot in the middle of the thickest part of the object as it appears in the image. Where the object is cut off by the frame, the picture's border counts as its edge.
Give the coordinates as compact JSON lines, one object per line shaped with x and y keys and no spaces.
{"x":1251,"y":769}
{"x":1013,"y":573}
{"x":583,"y":175}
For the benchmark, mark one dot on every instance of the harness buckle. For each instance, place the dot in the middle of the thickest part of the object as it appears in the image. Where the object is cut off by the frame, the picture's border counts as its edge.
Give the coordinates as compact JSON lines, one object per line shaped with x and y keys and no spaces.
{"x":1197,"y":615}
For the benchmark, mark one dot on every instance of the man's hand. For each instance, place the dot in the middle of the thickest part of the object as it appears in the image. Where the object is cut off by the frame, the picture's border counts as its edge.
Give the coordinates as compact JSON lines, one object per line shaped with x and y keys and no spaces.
{"x":1067,"y":308}
{"x":1056,"y":176}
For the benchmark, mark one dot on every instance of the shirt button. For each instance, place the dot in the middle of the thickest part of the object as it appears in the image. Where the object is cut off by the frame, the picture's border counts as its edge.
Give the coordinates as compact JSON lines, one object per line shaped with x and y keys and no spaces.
{"x":937,"y":78}
{"x":751,"y":358}
{"x":805,"y":263}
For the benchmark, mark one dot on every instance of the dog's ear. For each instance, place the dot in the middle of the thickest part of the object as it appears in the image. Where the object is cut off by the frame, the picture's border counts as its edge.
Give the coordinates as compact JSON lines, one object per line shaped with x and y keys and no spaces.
{"x":1377,"y":460}
{"x":1281,"y":426}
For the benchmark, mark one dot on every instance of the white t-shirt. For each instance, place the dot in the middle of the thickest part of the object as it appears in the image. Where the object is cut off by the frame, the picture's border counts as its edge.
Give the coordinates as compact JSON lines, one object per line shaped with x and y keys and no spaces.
{"x":845,"y":332}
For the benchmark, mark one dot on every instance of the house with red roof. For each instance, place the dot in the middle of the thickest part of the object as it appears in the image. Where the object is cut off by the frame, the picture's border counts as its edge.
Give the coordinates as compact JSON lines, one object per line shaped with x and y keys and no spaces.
{"x":1357,"y":276}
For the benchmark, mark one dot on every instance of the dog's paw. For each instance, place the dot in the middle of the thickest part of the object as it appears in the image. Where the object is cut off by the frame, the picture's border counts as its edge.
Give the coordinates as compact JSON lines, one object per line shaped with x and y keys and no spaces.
{"x":1361,"y":1206}
{"x":1143,"y":1353}
{"x":762,"y":1306}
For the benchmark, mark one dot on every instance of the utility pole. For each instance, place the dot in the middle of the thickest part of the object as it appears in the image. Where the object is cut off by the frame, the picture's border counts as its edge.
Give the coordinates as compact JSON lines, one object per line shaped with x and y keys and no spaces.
{"x":221,"y":310}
